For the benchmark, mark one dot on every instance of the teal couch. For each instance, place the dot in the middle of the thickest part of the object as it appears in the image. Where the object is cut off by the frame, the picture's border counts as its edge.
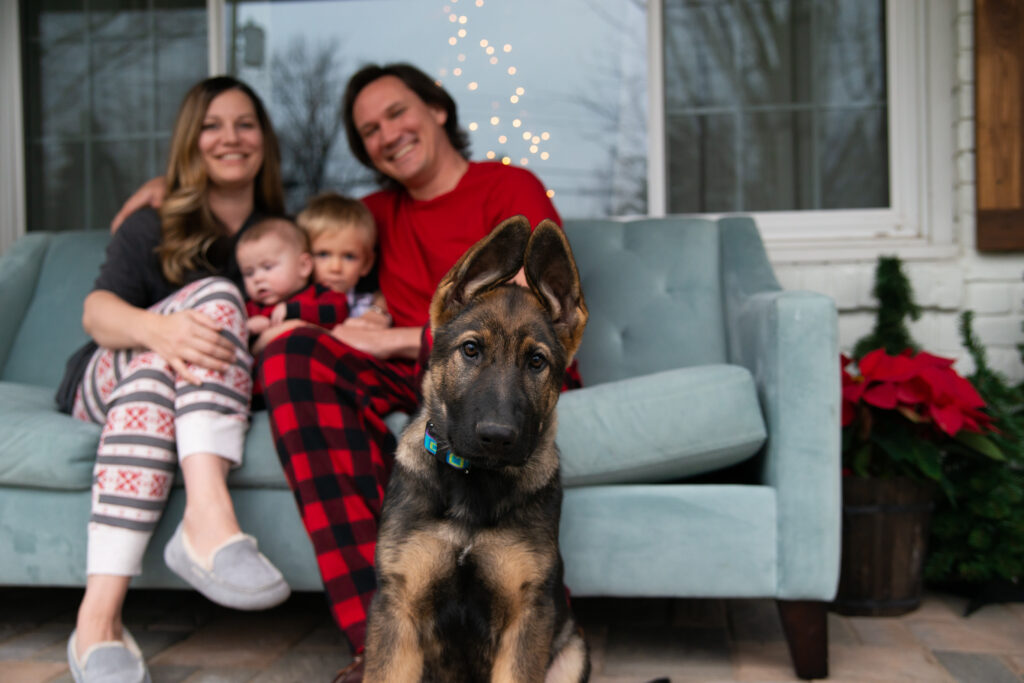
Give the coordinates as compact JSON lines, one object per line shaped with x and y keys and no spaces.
{"x":701,"y":459}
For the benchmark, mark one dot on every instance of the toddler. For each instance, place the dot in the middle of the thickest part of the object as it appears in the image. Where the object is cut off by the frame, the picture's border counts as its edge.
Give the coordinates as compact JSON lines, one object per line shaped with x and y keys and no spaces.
{"x":343,"y":235}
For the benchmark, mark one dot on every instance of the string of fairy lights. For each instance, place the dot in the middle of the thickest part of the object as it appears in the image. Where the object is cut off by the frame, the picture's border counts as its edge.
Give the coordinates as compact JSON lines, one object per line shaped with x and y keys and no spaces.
{"x":472,"y":51}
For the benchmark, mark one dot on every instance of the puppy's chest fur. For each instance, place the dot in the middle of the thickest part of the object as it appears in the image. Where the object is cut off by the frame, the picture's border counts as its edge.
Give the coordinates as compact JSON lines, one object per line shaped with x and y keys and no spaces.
{"x":469,"y":556}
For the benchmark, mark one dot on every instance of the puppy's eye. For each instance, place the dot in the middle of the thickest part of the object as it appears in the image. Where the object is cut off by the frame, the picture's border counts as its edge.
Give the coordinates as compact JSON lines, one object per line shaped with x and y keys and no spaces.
{"x":538,"y":362}
{"x":470,"y":349}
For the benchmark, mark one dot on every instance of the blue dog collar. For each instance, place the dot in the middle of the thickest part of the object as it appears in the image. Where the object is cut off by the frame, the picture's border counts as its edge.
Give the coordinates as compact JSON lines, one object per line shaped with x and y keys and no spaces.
{"x":430,"y":443}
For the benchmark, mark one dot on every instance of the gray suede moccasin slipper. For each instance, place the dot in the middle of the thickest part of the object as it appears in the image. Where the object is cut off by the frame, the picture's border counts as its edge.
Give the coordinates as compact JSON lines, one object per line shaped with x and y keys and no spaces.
{"x":110,"y":662}
{"x":237,"y":574}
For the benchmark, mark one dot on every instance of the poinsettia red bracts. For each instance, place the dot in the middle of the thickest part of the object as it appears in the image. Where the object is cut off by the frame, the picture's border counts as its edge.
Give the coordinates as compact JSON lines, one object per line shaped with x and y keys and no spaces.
{"x":922,"y":387}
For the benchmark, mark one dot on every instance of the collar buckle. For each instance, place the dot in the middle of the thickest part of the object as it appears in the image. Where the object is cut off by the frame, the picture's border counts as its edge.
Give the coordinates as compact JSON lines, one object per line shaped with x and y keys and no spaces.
{"x":449,"y":458}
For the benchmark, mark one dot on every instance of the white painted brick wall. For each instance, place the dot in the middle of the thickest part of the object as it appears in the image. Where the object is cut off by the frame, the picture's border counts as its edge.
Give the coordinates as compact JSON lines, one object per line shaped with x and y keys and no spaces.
{"x":965,"y":140}
{"x":990,"y":285}
{"x":849,"y":285}
{"x":990,"y":298}
{"x":937,"y":285}
{"x":853,"y":326}
{"x":999,"y":330}
{"x":1017,"y":297}
{"x":1005,"y":361}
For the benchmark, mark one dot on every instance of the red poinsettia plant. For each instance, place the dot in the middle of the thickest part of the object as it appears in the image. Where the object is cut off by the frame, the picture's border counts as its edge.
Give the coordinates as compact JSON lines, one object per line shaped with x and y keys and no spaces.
{"x":904,"y":414}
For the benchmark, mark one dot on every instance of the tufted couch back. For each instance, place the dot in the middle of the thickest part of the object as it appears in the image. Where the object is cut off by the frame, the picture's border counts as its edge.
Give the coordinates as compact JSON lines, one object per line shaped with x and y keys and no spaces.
{"x":648,"y":274}
{"x":660,"y":274}
{"x":57,"y":270}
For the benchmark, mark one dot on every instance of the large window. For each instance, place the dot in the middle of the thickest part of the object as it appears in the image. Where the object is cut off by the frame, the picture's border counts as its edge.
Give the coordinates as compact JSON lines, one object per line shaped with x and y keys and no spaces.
{"x":831,"y":120}
{"x":557,"y":87}
{"x":775,"y":105}
{"x":102,"y":80}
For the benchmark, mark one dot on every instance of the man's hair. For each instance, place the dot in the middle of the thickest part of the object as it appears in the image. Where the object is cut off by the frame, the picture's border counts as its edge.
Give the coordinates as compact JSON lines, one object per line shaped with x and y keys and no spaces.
{"x":425,"y":88}
{"x":332,"y":212}
{"x":280,"y":226}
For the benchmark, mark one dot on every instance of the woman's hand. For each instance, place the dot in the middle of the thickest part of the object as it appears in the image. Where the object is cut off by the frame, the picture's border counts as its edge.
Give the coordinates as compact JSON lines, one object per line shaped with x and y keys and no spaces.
{"x":179,"y":338}
{"x":151,"y":193}
{"x":190,"y":337}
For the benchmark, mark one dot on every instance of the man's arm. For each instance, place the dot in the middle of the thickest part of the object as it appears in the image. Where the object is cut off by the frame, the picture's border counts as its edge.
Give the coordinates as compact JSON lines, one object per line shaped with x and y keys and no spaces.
{"x":392,"y":342}
{"x":151,"y":193}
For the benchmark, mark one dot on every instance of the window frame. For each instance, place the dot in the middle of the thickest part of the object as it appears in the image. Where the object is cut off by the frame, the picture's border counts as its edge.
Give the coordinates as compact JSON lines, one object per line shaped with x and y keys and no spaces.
{"x":920,"y":52}
{"x":12,"y":132}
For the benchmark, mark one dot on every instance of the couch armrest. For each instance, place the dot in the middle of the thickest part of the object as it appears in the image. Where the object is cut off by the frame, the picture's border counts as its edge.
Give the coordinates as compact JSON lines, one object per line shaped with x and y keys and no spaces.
{"x":789,"y":342}
{"x":19,"y":272}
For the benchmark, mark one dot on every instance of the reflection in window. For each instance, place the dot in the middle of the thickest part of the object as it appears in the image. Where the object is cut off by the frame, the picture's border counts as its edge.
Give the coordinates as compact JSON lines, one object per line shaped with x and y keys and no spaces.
{"x":559,"y":88}
{"x":775,"y":105}
{"x":102,"y":83}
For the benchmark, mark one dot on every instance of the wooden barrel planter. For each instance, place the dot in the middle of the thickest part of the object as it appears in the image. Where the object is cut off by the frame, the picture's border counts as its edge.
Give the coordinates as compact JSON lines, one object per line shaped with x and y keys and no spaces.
{"x":885,"y":537}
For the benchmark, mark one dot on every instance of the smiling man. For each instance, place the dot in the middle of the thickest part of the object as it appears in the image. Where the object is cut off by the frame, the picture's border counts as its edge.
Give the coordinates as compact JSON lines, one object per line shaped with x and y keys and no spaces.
{"x":435,"y":203}
{"x":337,"y":451}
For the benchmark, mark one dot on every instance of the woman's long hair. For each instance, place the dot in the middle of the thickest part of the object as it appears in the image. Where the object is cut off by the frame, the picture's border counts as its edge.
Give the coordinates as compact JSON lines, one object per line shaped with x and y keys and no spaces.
{"x":189,"y":225}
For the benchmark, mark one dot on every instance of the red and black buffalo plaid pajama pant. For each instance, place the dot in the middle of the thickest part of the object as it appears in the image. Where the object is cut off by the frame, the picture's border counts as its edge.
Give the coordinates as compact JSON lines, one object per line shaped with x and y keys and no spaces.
{"x":326,"y":403}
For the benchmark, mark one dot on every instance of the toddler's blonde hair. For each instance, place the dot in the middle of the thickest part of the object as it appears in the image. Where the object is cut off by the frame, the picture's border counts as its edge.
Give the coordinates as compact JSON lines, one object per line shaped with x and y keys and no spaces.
{"x":330,"y":212}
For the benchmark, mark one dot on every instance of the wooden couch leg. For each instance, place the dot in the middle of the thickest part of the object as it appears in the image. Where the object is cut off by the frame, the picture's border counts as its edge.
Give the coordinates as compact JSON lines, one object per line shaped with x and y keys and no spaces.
{"x":805,"y":623}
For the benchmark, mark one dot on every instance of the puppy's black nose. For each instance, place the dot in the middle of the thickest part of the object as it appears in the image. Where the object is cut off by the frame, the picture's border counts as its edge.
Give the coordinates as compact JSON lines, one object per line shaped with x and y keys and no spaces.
{"x":496,"y":437}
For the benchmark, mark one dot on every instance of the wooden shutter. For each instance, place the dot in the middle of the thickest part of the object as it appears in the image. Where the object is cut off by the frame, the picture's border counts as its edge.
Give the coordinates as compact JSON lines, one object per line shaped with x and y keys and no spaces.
{"x":999,"y":123}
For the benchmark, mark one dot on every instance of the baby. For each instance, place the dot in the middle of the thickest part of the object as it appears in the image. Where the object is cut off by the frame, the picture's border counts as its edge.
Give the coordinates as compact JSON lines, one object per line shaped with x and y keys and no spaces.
{"x":343,"y":235}
{"x":276,"y":265}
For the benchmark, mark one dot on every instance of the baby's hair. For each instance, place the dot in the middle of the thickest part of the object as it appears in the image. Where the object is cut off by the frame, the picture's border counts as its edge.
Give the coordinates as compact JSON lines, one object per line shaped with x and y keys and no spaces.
{"x":281,"y":226}
{"x":331,"y":211}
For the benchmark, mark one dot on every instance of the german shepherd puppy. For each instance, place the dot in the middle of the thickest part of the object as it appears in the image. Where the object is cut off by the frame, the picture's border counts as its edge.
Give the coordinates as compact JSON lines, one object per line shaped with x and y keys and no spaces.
{"x":469,"y":571}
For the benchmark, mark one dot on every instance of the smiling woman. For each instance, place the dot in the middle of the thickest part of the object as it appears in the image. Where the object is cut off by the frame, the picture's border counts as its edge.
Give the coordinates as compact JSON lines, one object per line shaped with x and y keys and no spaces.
{"x":223,"y":148}
{"x":167,"y":374}
{"x":231,"y":141}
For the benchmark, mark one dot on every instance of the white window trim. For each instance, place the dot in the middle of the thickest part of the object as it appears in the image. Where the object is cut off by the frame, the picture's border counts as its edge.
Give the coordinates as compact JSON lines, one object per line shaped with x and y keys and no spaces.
{"x":217,"y":54}
{"x":12,"y":130}
{"x":919,"y":224}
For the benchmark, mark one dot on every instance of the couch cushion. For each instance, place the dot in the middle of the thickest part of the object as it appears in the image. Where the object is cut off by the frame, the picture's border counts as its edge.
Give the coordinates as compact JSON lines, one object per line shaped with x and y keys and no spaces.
{"x":40,"y":447}
{"x":659,"y":427}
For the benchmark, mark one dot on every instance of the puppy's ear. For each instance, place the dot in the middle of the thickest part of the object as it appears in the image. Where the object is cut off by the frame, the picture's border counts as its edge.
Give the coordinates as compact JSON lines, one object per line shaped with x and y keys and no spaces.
{"x":490,"y":262}
{"x":553,"y":277}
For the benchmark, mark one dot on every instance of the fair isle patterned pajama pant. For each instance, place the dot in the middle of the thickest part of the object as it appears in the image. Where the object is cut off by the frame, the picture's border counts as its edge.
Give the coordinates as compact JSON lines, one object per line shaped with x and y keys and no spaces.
{"x":152,"y":419}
